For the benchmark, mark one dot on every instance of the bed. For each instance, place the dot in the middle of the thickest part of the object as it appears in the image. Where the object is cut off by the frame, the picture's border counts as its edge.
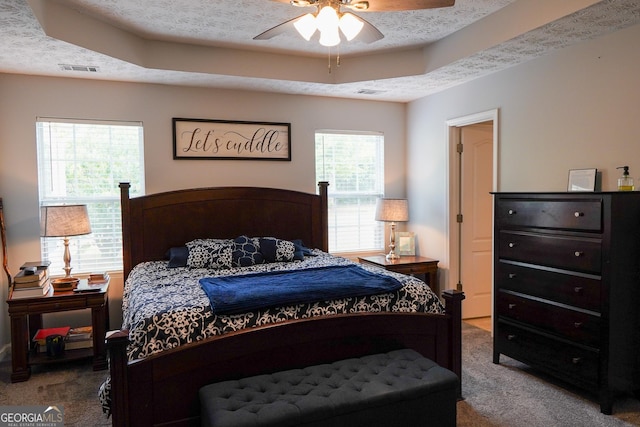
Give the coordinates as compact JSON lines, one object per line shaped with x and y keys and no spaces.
{"x":157,"y":383}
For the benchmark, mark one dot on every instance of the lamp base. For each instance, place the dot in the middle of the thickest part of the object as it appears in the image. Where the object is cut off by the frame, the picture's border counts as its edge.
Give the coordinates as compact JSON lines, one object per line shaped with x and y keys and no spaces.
{"x":392,"y":256}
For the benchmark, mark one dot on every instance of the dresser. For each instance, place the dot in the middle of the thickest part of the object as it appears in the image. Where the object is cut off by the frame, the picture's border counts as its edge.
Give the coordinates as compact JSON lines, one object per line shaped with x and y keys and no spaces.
{"x":567,"y":287}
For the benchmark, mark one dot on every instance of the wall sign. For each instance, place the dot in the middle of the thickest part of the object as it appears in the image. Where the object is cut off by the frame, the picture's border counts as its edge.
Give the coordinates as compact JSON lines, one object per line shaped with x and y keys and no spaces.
{"x":231,"y":140}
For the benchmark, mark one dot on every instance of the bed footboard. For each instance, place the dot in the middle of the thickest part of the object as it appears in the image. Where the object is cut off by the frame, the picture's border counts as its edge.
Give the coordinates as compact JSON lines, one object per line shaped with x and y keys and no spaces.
{"x":162,"y":389}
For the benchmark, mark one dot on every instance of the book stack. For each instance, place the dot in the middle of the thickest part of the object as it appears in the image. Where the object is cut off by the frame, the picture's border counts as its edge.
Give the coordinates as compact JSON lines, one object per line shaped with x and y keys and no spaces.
{"x":74,"y":338}
{"x":32,"y":280}
{"x":40,"y":337}
{"x":81,"y":337}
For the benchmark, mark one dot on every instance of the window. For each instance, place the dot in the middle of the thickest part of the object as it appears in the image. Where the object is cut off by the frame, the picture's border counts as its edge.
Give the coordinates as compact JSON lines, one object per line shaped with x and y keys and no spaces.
{"x":353,"y":163}
{"x":82,"y":162}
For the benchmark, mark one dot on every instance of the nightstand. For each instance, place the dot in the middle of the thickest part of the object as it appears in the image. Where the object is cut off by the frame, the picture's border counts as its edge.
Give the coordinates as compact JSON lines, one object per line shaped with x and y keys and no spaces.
{"x":413,"y":265}
{"x":26,"y":319}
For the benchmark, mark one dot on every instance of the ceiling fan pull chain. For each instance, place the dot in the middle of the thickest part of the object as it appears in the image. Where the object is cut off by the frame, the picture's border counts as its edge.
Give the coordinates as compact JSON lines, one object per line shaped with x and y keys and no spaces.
{"x":329,"y":59}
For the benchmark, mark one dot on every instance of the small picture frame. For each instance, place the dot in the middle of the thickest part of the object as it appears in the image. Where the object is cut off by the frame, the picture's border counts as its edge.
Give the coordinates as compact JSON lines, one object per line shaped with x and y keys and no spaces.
{"x":406,"y":243}
{"x":582,"y":180}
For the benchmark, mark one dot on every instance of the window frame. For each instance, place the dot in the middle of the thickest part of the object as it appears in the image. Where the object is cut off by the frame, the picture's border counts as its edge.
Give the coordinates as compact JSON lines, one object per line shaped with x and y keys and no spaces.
{"x":101,"y":250}
{"x":365,"y":218}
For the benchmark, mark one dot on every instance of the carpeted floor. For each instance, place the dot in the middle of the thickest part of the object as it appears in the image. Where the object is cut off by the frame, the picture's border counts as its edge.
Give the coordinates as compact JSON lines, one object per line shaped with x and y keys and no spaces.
{"x":72,"y":385}
{"x":511,"y":394}
{"x":505,"y":395}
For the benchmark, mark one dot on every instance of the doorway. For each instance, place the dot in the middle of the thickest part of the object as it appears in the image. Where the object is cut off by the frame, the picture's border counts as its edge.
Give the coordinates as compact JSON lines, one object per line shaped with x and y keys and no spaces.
{"x":473,"y":174}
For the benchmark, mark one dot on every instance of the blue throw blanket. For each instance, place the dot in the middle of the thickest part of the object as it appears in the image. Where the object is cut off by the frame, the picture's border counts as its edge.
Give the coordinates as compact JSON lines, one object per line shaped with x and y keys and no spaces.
{"x":238,"y":294}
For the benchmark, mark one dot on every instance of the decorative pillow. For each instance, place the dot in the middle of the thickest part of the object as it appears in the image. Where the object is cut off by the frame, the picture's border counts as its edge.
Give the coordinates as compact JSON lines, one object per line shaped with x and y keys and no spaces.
{"x":178,"y":256}
{"x":277,"y":250}
{"x":210,"y":253}
{"x":246,"y":252}
{"x":301,"y":250}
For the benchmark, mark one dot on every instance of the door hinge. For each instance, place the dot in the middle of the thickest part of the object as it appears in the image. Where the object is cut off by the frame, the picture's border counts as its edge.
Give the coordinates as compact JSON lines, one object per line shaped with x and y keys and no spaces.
{"x":459,"y":148}
{"x":459,"y":218}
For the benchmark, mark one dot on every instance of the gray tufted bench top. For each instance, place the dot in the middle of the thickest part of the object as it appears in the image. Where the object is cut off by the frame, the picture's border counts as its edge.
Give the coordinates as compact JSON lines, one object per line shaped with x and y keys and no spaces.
{"x":399,"y":388}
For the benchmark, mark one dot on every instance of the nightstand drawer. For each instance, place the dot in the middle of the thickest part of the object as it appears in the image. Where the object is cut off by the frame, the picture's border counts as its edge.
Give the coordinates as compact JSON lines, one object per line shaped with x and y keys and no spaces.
{"x":585,"y":215}
{"x":574,"y":325}
{"x":579,"y":290}
{"x":45,"y":305}
{"x":567,"y":252}
{"x":407,"y":269}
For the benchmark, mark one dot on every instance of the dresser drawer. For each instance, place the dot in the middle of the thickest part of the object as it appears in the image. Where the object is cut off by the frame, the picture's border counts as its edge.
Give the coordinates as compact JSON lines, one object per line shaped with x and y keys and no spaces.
{"x":567,"y":252}
{"x":573,"y":363}
{"x":579,"y":290}
{"x":583,"y":215}
{"x":577,"y":326}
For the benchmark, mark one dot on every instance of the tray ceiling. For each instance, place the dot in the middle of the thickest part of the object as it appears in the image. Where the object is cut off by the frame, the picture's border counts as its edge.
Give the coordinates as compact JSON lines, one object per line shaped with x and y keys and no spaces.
{"x":210,"y":43}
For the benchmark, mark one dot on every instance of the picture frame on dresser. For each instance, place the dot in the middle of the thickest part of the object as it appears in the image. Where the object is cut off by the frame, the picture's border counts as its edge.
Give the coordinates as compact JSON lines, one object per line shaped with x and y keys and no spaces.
{"x":582,"y":179}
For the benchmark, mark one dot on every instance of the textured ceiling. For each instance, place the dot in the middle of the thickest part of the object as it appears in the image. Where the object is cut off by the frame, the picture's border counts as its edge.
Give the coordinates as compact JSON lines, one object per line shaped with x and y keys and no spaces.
{"x":210,"y":43}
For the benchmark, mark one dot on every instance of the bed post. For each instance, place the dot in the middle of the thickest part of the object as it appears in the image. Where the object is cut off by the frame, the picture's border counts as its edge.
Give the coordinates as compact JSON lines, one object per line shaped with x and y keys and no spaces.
{"x":117,"y":348}
{"x":324,"y":209}
{"x":453,"y":307}
{"x":126,"y":229}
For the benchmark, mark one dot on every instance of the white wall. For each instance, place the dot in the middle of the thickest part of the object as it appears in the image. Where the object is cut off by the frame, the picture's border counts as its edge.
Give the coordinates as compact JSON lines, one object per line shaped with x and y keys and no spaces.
{"x":26,"y":97}
{"x":576,"y":108}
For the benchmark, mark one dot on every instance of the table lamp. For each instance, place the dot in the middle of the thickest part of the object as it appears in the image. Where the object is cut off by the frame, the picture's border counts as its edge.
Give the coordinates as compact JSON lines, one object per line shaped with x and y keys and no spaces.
{"x":392,"y":210}
{"x":64,"y":221}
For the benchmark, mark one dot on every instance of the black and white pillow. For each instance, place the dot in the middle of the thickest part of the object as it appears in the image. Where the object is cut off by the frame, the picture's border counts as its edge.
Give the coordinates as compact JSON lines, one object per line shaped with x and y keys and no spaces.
{"x":277,"y":250}
{"x":246,"y":252}
{"x":210,"y":253}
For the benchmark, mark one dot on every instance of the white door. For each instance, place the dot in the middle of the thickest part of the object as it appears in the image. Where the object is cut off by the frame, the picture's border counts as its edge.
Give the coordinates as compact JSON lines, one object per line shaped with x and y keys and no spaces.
{"x":477,"y":218}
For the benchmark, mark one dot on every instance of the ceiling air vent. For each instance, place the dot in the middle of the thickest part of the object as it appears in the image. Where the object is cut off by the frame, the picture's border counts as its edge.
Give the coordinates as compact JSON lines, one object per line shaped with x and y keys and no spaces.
{"x":88,"y":68}
{"x":369,"y":91}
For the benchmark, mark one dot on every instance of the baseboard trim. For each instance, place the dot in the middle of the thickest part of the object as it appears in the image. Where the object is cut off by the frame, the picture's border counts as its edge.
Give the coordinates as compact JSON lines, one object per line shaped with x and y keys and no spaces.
{"x":5,"y":352}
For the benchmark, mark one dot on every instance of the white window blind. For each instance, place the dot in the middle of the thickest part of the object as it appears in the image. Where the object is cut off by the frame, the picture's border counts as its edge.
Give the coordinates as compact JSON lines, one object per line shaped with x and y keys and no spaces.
{"x":82,"y":162}
{"x":353,"y":163}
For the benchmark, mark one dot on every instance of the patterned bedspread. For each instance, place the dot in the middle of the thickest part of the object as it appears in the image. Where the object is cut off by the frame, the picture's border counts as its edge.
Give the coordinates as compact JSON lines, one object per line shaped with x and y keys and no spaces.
{"x":166,"y":307}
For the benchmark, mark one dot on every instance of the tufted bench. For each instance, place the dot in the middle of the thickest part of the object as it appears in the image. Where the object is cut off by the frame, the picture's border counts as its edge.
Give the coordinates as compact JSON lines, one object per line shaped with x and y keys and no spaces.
{"x":399,"y":388}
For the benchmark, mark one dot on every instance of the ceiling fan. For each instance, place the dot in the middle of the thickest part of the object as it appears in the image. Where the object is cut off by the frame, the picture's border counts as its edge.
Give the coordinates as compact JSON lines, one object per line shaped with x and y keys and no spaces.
{"x":329,"y":20}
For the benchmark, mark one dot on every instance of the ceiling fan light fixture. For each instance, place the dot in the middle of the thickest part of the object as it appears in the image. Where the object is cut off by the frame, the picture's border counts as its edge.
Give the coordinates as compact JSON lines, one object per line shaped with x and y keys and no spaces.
{"x":350,"y":25}
{"x":306,"y":26}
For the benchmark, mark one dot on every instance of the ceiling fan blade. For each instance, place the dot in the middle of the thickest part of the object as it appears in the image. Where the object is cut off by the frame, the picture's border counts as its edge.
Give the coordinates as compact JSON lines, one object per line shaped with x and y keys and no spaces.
{"x":278,"y":29}
{"x":396,"y":5}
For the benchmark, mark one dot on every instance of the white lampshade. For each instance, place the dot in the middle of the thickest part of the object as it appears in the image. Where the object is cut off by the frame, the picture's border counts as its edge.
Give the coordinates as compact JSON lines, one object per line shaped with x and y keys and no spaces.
{"x":350,"y":25}
{"x":306,"y":26}
{"x":63,"y":221}
{"x":327,"y":19}
{"x":392,"y":210}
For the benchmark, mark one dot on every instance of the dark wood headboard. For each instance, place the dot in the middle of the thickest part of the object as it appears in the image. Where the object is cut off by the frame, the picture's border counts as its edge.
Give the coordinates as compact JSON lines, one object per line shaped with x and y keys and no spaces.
{"x":154,"y":223}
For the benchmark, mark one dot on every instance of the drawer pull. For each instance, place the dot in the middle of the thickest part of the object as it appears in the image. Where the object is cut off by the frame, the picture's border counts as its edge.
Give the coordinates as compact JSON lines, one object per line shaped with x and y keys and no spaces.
{"x":512,"y":275}
{"x":578,"y":214}
{"x":512,"y":245}
{"x":511,"y":337}
{"x":512,"y":212}
{"x":577,"y":324}
{"x":578,"y":289}
{"x":578,"y":253}
{"x":512,"y":306}
{"x":576,"y":360}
